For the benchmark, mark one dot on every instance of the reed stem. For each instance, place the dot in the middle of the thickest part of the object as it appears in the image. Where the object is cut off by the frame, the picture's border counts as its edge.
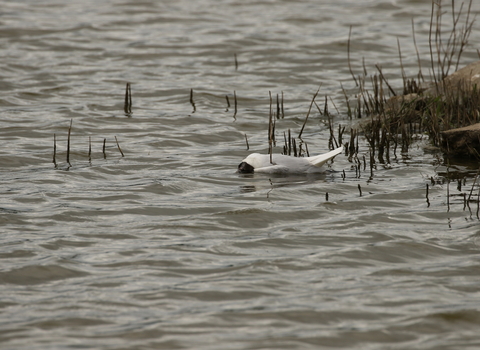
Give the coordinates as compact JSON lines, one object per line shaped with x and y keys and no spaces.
{"x":54,"y":150}
{"x":68,"y":142}
{"x":118,"y":145}
{"x":127,"y":107}
{"x":104,"y":153}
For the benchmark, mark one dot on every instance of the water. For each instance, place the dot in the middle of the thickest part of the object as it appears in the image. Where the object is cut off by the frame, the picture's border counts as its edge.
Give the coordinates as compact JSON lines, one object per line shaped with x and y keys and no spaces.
{"x":169,"y":248}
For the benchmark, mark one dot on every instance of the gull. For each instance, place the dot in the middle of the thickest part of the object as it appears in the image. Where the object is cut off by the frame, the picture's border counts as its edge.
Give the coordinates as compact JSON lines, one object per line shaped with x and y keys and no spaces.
{"x":260,"y":163}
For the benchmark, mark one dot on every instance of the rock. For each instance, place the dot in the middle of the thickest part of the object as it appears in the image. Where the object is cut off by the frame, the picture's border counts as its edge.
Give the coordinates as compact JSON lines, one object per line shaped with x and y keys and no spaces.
{"x":463,"y":80}
{"x":462,"y":142}
{"x":395,"y":103}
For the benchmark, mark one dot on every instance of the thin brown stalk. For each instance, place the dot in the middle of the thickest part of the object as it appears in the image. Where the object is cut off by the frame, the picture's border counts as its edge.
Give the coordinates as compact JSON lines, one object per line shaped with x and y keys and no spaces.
{"x":68,"y":142}
{"x":104,"y":144}
{"x":235,"y":104}
{"x":348,"y":57}
{"x":118,"y":145}
{"x":306,"y":118}
{"x":191,"y":101}
{"x":418,"y":54}
{"x":430,"y":45}
{"x":270,"y":130}
{"x":90,"y":149}
{"x":385,"y":80}
{"x":127,"y":107}
{"x":228,"y":103}
{"x":283,"y":111}
{"x":54,"y":161}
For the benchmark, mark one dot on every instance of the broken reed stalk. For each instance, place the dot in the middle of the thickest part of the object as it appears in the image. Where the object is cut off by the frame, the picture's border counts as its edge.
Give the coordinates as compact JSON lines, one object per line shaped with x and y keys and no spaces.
{"x":68,"y":142}
{"x":54,"y":161}
{"x":278,"y":108}
{"x":118,"y":145}
{"x":104,"y":154}
{"x":246,"y":141}
{"x":228,"y":103}
{"x":360,"y":189}
{"x":235,"y":104}
{"x":236,"y":61}
{"x":426,"y":196}
{"x":191,"y":101}
{"x":90,"y":149}
{"x":372,"y":163}
{"x":448,"y":194}
{"x":308,"y":113}
{"x":127,"y":107}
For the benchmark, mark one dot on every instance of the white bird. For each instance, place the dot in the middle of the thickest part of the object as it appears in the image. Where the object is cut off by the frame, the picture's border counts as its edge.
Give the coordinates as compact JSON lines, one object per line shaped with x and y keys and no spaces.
{"x":260,"y":163}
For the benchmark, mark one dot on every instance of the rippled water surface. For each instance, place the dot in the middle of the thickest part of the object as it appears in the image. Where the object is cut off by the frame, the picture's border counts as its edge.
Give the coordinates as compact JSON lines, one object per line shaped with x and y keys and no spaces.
{"x":167,"y":247}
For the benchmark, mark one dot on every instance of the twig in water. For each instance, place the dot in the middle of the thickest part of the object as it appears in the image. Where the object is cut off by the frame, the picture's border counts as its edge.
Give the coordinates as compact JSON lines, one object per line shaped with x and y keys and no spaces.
{"x":236,"y":61}
{"x":68,"y":142}
{"x":104,"y":154}
{"x":360,"y":189}
{"x":235,"y":104}
{"x":228,"y":103}
{"x":326,"y":196}
{"x":90,"y":149}
{"x":278,"y":109}
{"x":448,"y":195}
{"x":127,"y":107}
{"x":426,"y":195}
{"x":246,"y":140}
{"x":118,"y":145}
{"x":54,"y":150}
{"x":191,"y":101}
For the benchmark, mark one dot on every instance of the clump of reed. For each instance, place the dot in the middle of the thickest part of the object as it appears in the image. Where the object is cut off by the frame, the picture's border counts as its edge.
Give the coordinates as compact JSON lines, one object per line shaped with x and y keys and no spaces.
{"x":68,"y":149}
{"x":391,"y":120}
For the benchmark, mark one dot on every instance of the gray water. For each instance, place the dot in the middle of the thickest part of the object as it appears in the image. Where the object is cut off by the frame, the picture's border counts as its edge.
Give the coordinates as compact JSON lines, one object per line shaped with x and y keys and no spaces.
{"x":167,"y":247}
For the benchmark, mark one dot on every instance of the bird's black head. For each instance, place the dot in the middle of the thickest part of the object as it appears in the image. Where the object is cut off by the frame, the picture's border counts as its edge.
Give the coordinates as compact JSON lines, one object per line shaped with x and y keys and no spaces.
{"x":245,"y":168}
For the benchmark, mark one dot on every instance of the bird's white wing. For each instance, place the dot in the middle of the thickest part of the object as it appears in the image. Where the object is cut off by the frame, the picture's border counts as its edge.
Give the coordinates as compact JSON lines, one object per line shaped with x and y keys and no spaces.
{"x":321,"y":159}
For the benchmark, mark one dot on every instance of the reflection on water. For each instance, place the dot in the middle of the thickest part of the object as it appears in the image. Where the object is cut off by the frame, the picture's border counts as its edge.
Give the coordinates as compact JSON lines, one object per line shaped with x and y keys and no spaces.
{"x":168,"y":247}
